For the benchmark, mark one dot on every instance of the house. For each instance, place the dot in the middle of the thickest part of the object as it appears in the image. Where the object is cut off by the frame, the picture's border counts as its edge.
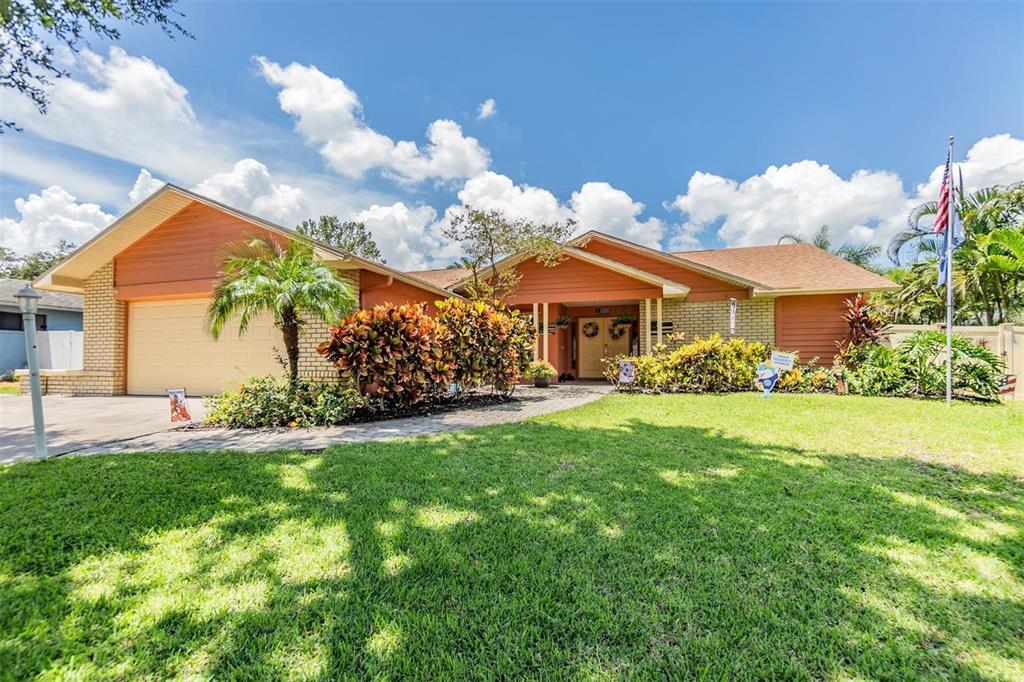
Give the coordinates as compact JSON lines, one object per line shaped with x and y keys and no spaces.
{"x":57,"y":312}
{"x":147,"y":279}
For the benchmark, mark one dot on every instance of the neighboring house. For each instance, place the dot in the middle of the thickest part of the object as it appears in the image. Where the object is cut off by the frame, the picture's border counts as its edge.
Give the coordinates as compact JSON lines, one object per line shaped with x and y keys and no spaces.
{"x":148,"y":277}
{"x":57,"y":312}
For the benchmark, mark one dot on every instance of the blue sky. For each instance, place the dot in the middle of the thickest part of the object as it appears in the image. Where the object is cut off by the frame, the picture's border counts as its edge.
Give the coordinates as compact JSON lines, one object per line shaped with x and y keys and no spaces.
{"x":682,"y":108}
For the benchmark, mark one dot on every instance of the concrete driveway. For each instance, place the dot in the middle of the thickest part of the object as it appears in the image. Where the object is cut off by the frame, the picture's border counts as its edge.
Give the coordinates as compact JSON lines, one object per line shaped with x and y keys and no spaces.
{"x":74,"y":424}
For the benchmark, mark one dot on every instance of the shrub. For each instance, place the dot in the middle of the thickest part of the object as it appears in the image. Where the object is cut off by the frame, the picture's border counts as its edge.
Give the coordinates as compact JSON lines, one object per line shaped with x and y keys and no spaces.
{"x":540,"y":369}
{"x":866,"y":330}
{"x":485,"y":344}
{"x":393,"y":353}
{"x":270,"y":401}
{"x":703,"y":365}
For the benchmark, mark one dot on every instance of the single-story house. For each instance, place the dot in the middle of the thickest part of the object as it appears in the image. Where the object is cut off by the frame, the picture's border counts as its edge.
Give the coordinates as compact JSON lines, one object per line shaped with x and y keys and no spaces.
{"x":57,"y":312}
{"x":148,"y":277}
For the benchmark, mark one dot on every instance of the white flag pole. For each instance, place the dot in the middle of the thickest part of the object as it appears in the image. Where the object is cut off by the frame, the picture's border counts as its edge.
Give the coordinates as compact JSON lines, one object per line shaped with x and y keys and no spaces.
{"x":949,"y":281}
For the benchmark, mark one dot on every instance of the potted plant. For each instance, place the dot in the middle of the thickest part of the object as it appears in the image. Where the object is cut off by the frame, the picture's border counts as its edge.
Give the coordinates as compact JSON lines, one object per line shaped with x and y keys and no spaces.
{"x":562,"y":321}
{"x":541,"y":372}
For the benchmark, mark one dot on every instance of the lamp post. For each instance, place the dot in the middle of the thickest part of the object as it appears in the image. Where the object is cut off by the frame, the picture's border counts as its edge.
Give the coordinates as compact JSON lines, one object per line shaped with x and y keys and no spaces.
{"x":28,"y":299}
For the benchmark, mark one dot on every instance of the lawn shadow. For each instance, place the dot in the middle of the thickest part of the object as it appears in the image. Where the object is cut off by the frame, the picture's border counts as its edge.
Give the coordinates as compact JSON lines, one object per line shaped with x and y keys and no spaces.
{"x":525,"y":550}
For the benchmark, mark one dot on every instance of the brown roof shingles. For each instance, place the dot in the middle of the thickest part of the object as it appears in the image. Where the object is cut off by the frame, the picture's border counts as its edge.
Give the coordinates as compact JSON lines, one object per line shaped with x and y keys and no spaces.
{"x":789,"y":266}
{"x":443,"y":277}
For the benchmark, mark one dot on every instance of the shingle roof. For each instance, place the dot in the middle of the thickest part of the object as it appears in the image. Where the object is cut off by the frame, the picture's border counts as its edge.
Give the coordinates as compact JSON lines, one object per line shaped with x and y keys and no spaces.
{"x":789,"y":266}
{"x":49,"y":299}
{"x":443,"y":277}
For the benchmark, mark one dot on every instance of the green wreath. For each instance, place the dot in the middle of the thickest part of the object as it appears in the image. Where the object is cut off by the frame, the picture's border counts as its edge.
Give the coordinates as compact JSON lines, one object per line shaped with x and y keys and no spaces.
{"x":590,"y":330}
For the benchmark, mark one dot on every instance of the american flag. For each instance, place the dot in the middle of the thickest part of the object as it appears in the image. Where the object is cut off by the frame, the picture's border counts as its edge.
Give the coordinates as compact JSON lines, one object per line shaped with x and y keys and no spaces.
{"x":942,"y":214}
{"x":948,"y":217}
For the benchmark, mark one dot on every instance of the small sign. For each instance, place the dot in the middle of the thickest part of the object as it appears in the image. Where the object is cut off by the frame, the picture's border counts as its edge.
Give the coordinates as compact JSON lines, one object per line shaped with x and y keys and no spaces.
{"x":767,"y":377}
{"x":179,"y":406}
{"x":782,"y":360}
{"x":732,"y":317}
{"x":1007,"y":385}
{"x":627,"y":372}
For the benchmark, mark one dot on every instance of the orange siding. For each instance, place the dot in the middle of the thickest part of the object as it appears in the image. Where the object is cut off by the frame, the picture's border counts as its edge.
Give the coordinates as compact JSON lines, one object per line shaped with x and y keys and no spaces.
{"x":702,"y":287}
{"x":179,"y":257}
{"x":574,"y":281}
{"x":377,"y":290}
{"x":811,"y":325}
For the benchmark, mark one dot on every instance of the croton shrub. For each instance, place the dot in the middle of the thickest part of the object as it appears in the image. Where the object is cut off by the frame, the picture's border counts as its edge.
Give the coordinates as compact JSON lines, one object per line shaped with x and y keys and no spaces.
{"x":392,"y":353}
{"x":486,"y":344}
{"x":709,"y":364}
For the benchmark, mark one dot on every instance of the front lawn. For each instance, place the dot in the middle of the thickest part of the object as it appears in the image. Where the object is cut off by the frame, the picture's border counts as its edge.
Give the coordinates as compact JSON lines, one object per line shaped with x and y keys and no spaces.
{"x":721,"y":537}
{"x":8,"y":388}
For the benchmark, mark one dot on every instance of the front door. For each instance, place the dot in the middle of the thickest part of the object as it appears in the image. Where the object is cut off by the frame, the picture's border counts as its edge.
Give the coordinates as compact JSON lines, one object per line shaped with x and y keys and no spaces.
{"x":597,"y":340}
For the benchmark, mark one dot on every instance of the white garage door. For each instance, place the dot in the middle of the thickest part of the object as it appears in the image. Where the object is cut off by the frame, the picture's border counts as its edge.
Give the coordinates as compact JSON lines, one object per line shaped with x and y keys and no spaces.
{"x":169,"y":347}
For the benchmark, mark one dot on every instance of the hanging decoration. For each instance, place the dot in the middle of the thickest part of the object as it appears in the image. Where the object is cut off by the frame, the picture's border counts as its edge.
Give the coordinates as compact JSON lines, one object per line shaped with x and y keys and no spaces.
{"x":617,"y":330}
{"x":590,"y":330}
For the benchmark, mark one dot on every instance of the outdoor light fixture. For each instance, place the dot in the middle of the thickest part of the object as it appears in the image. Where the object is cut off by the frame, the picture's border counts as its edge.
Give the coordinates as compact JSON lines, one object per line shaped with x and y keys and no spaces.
{"x":28,"y":300}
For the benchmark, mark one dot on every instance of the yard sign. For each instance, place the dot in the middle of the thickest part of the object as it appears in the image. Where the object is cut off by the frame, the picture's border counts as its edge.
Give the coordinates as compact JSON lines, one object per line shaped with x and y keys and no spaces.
{"x":782,"y":360}
{"x":179,"y":406}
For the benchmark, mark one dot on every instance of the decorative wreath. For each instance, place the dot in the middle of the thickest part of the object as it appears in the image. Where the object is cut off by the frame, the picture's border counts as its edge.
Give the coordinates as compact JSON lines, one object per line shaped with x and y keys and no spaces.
{"x":590,"y":330}
{"x":617,"y":330}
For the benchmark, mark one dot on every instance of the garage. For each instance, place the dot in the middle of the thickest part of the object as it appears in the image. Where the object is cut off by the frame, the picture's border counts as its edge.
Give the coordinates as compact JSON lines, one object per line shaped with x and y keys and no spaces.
{"x":169,"y":347}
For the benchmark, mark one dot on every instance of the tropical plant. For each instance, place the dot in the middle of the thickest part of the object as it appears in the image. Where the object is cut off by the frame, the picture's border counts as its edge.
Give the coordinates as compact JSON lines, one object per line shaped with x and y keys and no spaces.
{"x":858,"y":254}
{"x":703,"y":365}
{"x":288,"y":281}
{"x":563,"y":321}
{"x":393,"y":353}
{"x":269,"y":401}
{"x":486,"y":344}
{"x":349,"y":236}
{"x":866,"y":328}
{"x":540,"y":369}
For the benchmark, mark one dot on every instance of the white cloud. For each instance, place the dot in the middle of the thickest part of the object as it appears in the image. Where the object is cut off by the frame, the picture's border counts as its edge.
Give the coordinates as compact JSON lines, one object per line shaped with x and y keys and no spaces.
{"x":127,"y":108}
{"x":145,"y":184}
{"x":599,"y":206}
{"x":329,"y":114}
{"x":869,"y":206}
{"x":410,"y":238}
{"x":249,"y":187}
{"x":34,"y":165}
{"x":487,"y":109}
{"x":493,"y":191}
{"x":48,"y":217}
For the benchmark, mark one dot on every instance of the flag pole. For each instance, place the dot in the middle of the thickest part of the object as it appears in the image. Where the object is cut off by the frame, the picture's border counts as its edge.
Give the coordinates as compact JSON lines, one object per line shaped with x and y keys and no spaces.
{"x":949,"y":281}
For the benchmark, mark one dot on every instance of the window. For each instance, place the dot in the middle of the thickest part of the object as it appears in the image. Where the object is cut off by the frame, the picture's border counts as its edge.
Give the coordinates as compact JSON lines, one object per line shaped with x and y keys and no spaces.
{"x":12,"y":322}
{"x":666,"y":326}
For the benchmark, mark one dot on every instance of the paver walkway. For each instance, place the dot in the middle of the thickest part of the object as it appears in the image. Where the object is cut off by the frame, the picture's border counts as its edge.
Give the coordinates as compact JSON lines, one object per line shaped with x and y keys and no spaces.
{"x":531,"y":402}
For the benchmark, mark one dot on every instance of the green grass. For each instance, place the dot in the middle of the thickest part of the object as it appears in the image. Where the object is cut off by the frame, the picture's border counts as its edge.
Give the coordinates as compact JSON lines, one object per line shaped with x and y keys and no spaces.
{"x":8,"y":388}
{"x":717,"y":537}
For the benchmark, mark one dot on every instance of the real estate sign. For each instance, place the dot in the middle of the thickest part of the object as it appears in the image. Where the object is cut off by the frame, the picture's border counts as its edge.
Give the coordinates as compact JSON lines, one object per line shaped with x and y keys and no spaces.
{"x":782,"y":360}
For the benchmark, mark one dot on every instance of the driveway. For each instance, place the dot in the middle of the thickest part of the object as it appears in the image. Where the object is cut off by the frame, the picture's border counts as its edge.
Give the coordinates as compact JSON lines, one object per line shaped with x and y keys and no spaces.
{"x":89,"y":426}
{"x":74,"y":424}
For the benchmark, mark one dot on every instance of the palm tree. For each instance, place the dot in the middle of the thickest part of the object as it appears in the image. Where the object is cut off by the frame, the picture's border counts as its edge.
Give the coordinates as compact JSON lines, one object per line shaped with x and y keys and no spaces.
{"x":289,"y":281}
{"x":858,"y":254}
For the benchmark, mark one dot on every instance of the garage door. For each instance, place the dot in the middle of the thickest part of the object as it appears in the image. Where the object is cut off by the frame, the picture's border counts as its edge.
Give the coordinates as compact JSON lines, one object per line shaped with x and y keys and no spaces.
{"x":169,"y":347}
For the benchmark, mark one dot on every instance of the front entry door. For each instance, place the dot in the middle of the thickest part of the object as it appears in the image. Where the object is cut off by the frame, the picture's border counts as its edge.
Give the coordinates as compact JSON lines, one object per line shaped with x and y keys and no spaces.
{"x":601,"y":345}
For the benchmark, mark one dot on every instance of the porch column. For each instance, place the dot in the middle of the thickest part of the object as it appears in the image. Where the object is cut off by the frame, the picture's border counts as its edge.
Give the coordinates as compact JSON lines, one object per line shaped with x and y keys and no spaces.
{"x":647,"y":320}
{"x":536,"y":339}
{"x":659,"y":321}
{"x":546,"y":333}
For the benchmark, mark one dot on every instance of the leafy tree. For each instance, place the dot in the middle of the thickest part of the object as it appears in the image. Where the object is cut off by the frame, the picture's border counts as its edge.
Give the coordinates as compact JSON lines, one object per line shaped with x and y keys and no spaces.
{"x":287,"y":281}
{"x":488,"y":237}
{"x":858,"y":254}
{"x":31,"y":31}
{"x":34,"y":264}
{"x":349,"y":236}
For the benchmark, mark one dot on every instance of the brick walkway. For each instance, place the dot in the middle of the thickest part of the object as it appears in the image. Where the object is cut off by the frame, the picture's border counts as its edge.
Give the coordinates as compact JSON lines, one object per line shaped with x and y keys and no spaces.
{"x":532,"y":402}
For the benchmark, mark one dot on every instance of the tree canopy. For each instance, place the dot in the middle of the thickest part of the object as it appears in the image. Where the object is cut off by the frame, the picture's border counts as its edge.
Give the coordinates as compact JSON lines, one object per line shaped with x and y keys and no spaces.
{"x":349,"y":236}
{"x":13,"y":266}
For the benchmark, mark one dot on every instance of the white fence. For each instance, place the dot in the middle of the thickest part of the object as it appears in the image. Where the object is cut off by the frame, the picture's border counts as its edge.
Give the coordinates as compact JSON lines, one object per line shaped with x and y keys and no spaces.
{"x":60,"y":350}
{"x":1006,"y":341}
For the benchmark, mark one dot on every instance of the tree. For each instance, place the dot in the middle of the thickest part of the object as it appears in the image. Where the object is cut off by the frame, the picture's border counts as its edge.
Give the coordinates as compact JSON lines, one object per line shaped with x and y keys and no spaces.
{"x":34,"y":264}
{"x":858,"y":254}
{"x":287,"y":281}
{"x":489,"y":237}
{"x":349,"y":236}
{"x":32,"y":30}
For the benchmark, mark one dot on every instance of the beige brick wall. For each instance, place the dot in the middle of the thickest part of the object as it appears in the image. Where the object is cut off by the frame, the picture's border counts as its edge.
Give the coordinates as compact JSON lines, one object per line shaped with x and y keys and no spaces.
{"x":755,"y":320}
{"x":312,"y":365}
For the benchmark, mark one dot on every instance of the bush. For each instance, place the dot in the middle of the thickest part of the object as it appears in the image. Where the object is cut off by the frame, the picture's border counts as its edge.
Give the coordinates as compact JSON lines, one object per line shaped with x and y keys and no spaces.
{"x":485,"y":344}
{"x":541,"y":369}
{"x":270,"y":401}
{"x":394,"y":353}
{"x":703,"y":365}
{"x":918,"y":368}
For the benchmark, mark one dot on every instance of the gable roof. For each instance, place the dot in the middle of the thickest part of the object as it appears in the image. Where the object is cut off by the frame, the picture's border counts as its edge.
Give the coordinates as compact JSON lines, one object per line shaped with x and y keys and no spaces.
{"x":49,"y":300}
{"x":789,"y":268}
{"x":70,"y":273}
{"x":441,"y":277}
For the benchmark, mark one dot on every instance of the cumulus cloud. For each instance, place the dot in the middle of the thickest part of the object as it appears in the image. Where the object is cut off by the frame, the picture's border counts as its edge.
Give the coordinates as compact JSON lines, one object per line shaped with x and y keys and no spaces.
{"x":487,"y":109}
{"x":409,"y":237}
{"x":145,"y":185}
{"x":493,"y":191}
{"x":127,"y":108}
{"x":48,"y":217}
{"x":329,"y":114}
{"x":248,"y":186}
{"x":869,"y":206}
{"x":599,"y":206}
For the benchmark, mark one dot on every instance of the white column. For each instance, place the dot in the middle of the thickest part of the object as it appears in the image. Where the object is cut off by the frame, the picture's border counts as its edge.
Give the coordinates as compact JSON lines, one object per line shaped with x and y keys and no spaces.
{"x":659,"y":321}
{"x":546,"y":357}
{"x":647,"y":322}
{"x":536,"y":340}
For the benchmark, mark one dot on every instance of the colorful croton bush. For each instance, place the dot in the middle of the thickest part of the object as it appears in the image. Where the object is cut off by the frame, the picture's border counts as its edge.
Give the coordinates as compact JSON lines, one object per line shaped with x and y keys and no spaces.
{"x":485,"y":344}
{"x":704,"y":365}
{"x":393,"y":353}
